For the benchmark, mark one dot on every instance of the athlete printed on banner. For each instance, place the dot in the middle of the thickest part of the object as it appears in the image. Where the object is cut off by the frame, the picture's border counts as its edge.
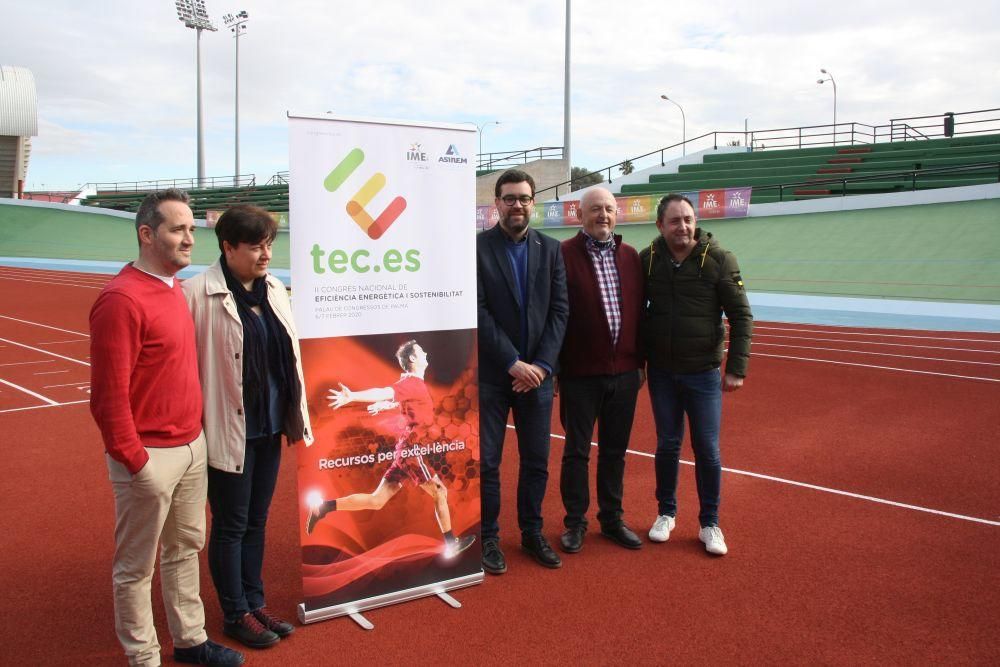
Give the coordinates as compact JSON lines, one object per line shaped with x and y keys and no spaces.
{"x":411,"y":397}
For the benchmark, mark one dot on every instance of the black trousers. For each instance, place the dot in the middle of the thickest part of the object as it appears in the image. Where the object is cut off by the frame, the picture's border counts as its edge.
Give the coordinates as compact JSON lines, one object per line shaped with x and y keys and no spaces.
{"x":608,"y":400}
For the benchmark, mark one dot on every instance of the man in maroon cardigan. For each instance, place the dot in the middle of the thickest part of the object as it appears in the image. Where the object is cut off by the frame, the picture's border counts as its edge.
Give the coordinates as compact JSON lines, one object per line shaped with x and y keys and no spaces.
{"x":600,"y":371}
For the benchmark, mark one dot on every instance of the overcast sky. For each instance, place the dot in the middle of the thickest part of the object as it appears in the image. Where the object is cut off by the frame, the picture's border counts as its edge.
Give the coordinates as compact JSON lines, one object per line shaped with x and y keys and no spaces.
{"x":116,"y":79}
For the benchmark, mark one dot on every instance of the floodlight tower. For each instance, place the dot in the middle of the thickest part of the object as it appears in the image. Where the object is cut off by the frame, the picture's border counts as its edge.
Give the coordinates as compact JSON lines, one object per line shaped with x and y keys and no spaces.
{"x":195,"y":15}
{"x":237,"y":25}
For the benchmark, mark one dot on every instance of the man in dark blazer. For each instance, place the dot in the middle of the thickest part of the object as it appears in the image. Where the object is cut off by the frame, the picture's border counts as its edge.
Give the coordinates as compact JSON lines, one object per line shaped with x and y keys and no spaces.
{"x":523,"y":310}
{"x":599,"y":374}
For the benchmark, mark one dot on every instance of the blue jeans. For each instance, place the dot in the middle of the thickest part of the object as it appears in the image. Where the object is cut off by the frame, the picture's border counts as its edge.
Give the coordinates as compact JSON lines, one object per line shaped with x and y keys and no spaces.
{"x":240,"y":504}
{"x":532,"y":423}
{"x":700,"y":396}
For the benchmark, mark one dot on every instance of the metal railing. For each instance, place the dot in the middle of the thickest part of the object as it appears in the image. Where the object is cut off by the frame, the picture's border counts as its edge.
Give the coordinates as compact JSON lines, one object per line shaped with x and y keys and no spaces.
{"x":639,"y":160}
{"x":192,"y":183}
{"x":984,"y":121}
{"x":491,"y":161}
{"x":281,"y":178}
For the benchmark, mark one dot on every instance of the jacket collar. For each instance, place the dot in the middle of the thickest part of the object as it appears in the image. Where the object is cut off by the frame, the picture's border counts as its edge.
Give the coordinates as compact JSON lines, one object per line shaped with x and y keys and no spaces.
{"x":215,"y":282}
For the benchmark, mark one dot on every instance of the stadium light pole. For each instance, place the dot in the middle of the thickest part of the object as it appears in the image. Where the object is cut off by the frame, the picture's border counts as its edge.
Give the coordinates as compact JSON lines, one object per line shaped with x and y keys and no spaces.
{"x":237,"y":25}
{"x":830,"y":79}
{"x":683,"y":124}
{"x":566,"y":146}
{"x":195,"y":15}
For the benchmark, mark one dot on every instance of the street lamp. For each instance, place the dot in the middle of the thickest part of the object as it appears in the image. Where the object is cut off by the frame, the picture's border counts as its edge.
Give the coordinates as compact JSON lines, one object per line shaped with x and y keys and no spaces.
{"x":830,"y":79}
{"x":237,"y":25}
{"x":195,"y":15}
{"x":683,"y":123}
{"x":482,"y":128}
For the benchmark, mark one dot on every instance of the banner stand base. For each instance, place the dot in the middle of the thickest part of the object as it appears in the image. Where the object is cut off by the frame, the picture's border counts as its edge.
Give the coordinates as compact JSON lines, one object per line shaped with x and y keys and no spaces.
{"x":354,"y":609}
{"x":450,"y":601}
{"x":361,"y":620}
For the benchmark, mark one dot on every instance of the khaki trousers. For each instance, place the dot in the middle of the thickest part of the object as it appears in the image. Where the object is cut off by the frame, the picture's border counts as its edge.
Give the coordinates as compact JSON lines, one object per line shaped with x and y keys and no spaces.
{"x":163,"y":503}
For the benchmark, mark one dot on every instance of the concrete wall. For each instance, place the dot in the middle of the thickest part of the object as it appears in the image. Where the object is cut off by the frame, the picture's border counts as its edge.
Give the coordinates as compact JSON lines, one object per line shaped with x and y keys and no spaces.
{"x":545,"y":172}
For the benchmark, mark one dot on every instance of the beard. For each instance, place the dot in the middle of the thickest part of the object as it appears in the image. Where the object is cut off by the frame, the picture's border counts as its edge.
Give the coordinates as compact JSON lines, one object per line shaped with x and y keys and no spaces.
{"x":514,"y":227}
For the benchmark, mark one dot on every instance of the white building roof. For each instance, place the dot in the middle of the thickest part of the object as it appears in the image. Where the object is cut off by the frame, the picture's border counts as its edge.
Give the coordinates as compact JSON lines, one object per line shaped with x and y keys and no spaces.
{"x":18,"y":102}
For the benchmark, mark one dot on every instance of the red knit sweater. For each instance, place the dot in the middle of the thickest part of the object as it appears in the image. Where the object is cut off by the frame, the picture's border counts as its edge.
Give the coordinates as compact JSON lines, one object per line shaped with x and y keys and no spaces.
{"x":144,"y":389}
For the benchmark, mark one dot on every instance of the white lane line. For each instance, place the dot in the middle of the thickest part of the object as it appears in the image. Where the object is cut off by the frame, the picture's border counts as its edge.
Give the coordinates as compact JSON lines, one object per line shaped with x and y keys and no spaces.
{"x":49,"y":372}
{"x":55,"y":275}
{"x":50,"y":282}
{"x":883,"y":368}
{"x":883,"y":335}
{"x":880,"y":354}
{"x":68,"y":384}
{"x":45,"y":326}
{"x":865,"y":342}
{"x":25,"y":363}
{"x":814,"y":487}
{"x":52,"y":354}
{"x":62,"y":342}
{"x":38,"y":407}
{"x":28,"y":392}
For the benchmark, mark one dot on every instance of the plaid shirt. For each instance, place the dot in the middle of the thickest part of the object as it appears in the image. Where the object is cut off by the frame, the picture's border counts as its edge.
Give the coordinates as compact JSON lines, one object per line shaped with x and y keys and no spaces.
{"x":602,"y":255}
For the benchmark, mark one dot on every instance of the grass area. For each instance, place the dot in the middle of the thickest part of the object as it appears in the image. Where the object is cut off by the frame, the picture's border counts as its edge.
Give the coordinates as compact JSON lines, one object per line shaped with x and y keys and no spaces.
{"x":28,"y":231}
{"x":946,"y":252}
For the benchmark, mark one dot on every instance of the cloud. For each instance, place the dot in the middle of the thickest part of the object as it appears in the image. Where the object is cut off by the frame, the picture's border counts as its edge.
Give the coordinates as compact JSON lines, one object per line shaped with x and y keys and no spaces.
{"x":118,"y":82}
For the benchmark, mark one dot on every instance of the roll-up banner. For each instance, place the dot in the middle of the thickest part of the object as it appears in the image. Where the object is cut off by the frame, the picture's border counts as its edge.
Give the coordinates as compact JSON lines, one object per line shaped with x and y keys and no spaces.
{"x":383,"y":265}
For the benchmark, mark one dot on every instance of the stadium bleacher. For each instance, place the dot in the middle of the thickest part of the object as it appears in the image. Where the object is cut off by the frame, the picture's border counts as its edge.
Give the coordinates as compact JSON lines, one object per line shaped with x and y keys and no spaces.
{"x":809,"y":173}
{"x":274,"y":198}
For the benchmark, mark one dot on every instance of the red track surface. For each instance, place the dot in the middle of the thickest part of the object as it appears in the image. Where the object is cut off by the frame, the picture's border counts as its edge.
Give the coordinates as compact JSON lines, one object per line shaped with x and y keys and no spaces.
{"x":813,"y":576}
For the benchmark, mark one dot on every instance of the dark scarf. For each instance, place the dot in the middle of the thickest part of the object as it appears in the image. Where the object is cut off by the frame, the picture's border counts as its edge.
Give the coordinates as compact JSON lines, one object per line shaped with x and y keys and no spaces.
{"x":262,"y":350}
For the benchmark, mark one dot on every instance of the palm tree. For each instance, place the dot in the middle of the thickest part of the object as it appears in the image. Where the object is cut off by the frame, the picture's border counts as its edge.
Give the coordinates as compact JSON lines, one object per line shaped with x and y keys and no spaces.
{"x":626,"y":168}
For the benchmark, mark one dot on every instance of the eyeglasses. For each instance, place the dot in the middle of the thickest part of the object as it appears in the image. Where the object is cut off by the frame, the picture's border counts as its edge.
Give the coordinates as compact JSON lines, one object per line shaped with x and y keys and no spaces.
{"x":510,"y":200}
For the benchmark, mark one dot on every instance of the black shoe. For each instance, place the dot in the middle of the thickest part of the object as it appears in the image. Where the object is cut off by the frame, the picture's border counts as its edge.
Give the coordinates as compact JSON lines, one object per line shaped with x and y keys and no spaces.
{"x":493,"y":560}
{"x":623,"y":536}
{"x":250,"y":632}
{"x":539,"y":548}
{"x":209,"y":653}
{"x":273,"y":623}
{"x":314,"y":517}
{"x":572,"y":540}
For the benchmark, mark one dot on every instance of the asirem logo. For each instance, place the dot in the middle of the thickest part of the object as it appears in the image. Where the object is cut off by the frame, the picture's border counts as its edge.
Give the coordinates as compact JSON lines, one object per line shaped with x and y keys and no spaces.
{"x":374,"y":227}
{"x":452,"y":156}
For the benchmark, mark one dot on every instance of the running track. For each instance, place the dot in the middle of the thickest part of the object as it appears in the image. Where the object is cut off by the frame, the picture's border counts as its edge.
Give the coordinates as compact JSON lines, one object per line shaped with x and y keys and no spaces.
{"x":860,"y":505}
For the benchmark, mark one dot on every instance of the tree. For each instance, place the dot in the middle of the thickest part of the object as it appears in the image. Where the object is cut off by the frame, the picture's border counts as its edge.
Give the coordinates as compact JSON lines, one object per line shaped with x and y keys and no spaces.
{"x":582,"y":177}
{"x":626,"y":168}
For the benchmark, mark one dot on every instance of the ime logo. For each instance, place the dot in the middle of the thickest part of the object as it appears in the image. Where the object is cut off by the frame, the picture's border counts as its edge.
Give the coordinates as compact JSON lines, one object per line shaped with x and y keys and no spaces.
{"x":374,"y":227}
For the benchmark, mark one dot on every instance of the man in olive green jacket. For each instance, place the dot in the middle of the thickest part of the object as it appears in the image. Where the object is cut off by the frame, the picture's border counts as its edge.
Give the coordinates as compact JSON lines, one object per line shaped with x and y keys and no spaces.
{"x":690,"y":282}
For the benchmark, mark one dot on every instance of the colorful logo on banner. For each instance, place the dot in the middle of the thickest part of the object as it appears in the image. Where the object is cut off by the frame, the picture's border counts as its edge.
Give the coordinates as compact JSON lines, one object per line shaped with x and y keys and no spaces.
{"x":374,"y":227}
{"x":452,"y":156}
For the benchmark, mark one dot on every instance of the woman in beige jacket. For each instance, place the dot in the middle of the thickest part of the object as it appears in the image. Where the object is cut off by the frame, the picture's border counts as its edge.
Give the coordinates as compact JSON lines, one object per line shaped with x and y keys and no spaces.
{"x":251,"y":375}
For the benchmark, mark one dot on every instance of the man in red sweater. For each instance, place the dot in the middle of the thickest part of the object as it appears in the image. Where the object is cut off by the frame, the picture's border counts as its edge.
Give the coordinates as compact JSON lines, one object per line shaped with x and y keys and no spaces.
{"x":146,"y":399}
{"x":600,"y":374}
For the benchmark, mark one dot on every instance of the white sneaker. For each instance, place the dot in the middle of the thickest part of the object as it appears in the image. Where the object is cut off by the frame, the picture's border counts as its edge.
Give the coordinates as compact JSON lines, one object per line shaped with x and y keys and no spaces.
{"x":714,"y":542}
{"x":660,"y":532}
